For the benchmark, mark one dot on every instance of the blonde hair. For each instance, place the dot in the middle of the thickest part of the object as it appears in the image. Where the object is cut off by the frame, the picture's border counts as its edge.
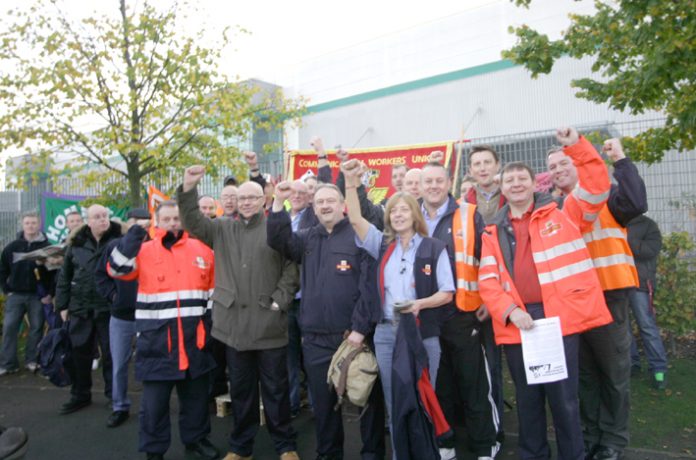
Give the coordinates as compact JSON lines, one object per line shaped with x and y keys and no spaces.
{"x":419,"y":225}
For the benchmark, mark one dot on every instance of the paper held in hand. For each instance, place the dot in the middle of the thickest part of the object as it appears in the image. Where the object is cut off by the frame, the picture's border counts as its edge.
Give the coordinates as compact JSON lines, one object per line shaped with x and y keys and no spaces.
{"x":543,"y":352}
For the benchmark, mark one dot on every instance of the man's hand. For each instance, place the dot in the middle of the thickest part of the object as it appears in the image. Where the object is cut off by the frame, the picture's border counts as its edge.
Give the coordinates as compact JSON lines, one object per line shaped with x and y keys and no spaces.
{"x":342,"y":155}
{"x":318,"y":145}
{"x":352,"y":171}
{"x":251,"y":159}
{"x":192,"y":176}
{"x":482,"y":314}
{"x":355,"y":339}
{"x":567,"y":136}
{"x":612,"y":147}
{"x":282,"y":193}
{"x":521,"y":319}
{"x":64,"y":315}
{"x":437,"y":156}
{"x":414,"y":308}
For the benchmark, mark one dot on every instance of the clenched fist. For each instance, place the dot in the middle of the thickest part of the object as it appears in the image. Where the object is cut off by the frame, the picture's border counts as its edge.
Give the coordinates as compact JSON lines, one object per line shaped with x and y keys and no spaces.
{"x":612,"y":147}
{"x":567,"y":136}
{"x":192,"y":176}
{"x":282,"y":193}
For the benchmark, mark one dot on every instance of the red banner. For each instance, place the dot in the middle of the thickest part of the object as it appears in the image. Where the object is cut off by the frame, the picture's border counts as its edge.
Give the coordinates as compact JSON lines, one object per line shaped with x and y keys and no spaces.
{"x":380,"y":161}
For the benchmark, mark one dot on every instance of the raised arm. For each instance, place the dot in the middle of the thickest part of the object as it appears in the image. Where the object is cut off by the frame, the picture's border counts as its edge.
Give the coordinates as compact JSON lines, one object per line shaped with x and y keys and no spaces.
{"x":279,"y":234}
{"x":629,"y":199}
{"x":352,"y":170}
{"x":582,"y":206}
{"x":192,"y":219}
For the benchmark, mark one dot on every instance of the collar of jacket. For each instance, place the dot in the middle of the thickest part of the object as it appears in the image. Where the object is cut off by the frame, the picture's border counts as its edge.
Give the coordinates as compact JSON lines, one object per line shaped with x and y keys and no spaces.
{"x":541,"y":200}
{"x":255,"y":220}
{"x":83,"y":234}
{"x":337,"y":228}
{"x":452,"y":205}
{"x":41,"y":237}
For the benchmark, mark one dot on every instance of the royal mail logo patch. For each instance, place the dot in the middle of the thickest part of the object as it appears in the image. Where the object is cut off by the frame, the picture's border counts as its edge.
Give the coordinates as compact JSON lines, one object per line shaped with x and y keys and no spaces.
{"x":551,"y":228}
{"x":344,"y":266}
{"x":427,"y":270}
{"x":201,"y":263}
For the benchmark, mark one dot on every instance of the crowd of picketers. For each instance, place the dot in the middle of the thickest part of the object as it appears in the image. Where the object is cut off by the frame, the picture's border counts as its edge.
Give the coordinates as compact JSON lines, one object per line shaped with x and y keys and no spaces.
{"x":252,"y":294}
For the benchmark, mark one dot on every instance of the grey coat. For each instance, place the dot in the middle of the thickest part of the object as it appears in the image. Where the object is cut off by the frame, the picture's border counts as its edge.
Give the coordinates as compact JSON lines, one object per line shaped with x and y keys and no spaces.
{"x":249,"y":277}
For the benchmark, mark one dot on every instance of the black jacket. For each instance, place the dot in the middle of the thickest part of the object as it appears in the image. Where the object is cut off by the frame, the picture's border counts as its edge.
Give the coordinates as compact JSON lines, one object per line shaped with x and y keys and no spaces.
{"x":77,"y":287}
{"x":120,"y":294}
{"x":19,"y":276}
{"x":645,"y":240}
{"x":628,"y":199}
{"x":337,"y":278}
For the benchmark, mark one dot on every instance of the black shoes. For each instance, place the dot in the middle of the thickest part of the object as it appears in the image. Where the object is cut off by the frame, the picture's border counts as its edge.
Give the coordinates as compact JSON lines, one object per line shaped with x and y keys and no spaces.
{"x":203,"y":449}
{"x":74,"y":405}
{"x":607,"y":453}
{"x":117,"y":418}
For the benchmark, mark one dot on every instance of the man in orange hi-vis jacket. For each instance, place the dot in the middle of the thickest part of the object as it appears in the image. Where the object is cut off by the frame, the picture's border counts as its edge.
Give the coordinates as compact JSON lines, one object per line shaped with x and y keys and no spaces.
{"x":172,"y":318}
{"x":534,"y":264}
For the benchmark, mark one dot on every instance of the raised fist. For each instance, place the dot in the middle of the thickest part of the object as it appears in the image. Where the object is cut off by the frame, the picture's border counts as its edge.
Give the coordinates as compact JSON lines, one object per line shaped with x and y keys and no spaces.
{"x":342,"y":155}
{"x":317,"y":144}
{"x":251,"y":159}
{"x":437,"y":156}
{"x":352,"y":170}
{"x":612,"y":147}
{"x":192,"y":176}
{"x":567,"y":136}
{"x":282,"y":193}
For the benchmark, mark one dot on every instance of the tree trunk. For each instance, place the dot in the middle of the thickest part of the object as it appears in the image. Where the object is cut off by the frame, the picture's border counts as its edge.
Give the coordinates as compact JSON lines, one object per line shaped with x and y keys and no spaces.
{"x":134,"y":186}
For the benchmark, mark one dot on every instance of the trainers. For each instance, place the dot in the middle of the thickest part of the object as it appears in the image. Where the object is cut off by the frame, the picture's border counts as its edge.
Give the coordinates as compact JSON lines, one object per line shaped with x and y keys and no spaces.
{"x":291,"y":455}
{"x":659,"y":381}
{"x":447,"y":453}
{"x":4,"y":371}
{"x":233,"y":456}
{"x":95,"y":363}
{"x":31,"y":367}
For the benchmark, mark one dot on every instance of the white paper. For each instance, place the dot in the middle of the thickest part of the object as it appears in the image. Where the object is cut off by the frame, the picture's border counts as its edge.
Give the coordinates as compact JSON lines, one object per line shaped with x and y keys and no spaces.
{"x":543,"y":352}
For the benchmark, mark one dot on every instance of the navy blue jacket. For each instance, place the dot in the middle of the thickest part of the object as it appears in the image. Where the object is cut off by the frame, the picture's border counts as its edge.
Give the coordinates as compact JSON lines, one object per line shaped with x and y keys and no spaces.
{"x":337,"y":278}
{"x":414,"y":425}
{"x":120,"y":294}
{"x":428,"y":253}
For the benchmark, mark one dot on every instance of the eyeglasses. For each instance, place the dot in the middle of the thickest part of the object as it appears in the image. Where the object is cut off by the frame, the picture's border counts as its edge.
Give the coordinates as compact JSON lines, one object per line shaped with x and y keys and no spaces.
{"x":242,"y":199}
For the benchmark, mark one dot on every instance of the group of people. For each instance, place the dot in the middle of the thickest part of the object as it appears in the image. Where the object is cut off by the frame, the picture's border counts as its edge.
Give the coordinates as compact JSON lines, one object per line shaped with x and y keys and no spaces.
{"x":269,"y":288}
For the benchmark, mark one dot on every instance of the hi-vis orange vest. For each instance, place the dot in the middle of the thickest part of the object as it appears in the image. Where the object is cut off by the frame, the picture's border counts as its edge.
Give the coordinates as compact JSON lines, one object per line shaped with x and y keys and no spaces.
{"x":466,"y":265}
{"x":612,"y":257}
{"x":570,"y":288}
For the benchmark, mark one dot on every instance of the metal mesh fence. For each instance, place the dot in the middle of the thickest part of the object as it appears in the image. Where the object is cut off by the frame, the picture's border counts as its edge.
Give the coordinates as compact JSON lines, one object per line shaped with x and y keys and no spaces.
{"x":671,"y":184}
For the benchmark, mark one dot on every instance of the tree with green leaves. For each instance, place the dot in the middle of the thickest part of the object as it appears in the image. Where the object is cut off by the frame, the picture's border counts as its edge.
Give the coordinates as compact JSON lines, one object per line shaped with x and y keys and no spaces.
{"x":645,"y":55}
{"x":151,"y":94}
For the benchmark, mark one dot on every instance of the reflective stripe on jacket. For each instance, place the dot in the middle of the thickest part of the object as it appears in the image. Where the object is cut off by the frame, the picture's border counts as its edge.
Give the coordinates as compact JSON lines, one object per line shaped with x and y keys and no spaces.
{"x":607,"y":242}
{"x":466,"y":263}
{"x":172,"y":315}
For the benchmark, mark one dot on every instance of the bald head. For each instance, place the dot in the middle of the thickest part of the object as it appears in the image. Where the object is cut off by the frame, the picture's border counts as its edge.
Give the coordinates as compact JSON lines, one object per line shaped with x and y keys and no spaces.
{"x":412,"y":182}
{"x":250,"y":199}
{"x":98,"y":220}
{"x":207,"y":206}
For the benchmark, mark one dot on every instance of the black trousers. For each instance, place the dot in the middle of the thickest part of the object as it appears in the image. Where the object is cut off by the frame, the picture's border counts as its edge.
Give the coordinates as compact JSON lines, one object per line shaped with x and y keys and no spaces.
{"x":155,"y":424}
{"x":561,"y":396}
{"x":605,"y":377}
{"x":464,"y":377}
{"x":85,"y":332}
{"x":318,"y":349}
{"x":268,"y":368}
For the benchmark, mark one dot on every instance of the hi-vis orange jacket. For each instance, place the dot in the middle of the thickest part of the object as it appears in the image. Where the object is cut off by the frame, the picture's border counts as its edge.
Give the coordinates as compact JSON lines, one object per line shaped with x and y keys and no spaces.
{"x":466,"y":264}
{"x":172,"y":313}
{"x":570,"y":287}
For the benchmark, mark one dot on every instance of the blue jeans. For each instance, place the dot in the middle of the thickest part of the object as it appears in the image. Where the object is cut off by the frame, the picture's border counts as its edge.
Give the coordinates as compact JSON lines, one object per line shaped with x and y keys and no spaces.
{"x":121,"y":334}
{"x":385,"y":336}
{"x":16,"y":306}
{"x":649,"y":332}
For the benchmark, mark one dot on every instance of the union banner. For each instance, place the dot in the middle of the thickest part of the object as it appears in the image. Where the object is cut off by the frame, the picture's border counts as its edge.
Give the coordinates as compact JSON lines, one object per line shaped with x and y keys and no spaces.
{"x":379,"y":161}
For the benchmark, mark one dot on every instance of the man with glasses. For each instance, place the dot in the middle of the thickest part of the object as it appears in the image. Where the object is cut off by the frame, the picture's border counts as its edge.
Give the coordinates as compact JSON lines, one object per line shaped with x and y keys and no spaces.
{"x":254,"y":287}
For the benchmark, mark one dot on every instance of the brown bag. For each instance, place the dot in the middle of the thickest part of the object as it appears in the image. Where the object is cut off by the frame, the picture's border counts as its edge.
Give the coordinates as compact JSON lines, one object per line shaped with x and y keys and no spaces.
{"x":352,"y":373}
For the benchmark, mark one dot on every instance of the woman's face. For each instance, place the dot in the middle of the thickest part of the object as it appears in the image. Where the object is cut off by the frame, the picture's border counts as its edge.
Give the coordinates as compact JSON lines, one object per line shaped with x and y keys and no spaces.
{"x":401,"y":217}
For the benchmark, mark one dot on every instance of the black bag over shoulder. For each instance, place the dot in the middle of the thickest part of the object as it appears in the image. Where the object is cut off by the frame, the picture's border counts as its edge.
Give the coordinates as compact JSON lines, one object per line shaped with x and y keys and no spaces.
{"x":55,"y":356}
